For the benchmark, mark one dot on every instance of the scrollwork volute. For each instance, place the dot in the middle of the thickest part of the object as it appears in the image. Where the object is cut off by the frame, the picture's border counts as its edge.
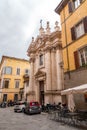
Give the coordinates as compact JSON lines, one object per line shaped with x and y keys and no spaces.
{"x":32,"y":58}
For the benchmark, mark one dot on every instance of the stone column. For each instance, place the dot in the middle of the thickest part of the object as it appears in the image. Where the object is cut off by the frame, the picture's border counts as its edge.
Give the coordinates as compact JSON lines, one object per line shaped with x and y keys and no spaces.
{"x":36,"y":63}
{"x":54,"y":73}
{"x":59,"y":69}
{"x":37,"y":90}
{"x":31,"y":81}
{"x":31,"y":91}
{"x":48,"y":69}
{"x":25,"y":91}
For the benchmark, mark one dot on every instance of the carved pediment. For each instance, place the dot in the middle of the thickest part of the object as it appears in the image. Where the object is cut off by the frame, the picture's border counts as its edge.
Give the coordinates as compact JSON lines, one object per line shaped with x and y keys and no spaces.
{"x":39,"y":73}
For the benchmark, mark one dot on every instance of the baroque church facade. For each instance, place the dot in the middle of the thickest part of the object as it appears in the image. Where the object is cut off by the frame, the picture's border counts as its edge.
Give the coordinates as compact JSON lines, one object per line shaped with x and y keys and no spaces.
{"x":46,"y":72}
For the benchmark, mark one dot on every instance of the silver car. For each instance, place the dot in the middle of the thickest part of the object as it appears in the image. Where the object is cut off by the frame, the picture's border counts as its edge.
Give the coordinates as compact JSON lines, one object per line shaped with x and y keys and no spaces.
{"x":20,"y":106}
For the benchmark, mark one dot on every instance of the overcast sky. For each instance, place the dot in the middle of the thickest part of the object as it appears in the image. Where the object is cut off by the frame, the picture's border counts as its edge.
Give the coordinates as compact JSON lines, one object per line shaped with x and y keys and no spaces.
{"x":20,"y":20}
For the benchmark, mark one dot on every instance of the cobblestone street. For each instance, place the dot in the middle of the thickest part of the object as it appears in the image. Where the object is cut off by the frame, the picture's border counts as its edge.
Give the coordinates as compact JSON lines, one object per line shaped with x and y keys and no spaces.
{"x":19,"y":121}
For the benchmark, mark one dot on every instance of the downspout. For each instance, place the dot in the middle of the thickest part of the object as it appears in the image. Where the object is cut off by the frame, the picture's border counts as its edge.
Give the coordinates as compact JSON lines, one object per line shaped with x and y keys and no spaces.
{"x":68,"y":70}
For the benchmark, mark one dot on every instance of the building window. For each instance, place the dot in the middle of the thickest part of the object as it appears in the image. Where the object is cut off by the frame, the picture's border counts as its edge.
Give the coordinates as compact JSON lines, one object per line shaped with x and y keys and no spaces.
{"x":83,"y":56}
{"x":18,"y":71}
{"x":74,"y":4}
{"x":15,"y":97}
{"x":6,"y":83}
{"x":77,"y":3}
{"x":41,"y":59}
{"x":80,"y":57}
{"x":26,"y":71}
{"x":79,"y":29}
{"x":4,"y":97}
{"x":17,"y":83}
{"x":7,"y":70}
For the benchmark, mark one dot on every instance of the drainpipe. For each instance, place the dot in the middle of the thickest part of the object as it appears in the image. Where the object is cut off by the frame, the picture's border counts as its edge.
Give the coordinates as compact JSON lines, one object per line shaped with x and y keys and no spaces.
{"x":68,"y":70}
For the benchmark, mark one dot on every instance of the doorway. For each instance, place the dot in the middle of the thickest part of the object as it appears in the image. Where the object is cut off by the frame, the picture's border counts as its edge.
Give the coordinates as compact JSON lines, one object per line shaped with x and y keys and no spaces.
{"x":41,"y":88}
{"x":4,"y":97}
{"x":15,"y":97}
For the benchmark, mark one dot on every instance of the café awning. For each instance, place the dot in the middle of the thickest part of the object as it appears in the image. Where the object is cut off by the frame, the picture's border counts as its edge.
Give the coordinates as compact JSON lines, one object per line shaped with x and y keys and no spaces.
{"x":78,"y":89}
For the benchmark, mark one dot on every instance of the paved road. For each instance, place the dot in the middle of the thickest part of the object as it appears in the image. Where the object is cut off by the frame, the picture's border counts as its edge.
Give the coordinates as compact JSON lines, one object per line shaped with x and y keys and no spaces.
{"x":19,"y":121}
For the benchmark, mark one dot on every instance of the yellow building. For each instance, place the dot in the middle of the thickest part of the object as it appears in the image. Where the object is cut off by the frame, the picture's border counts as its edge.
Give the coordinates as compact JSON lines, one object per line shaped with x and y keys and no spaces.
{"x":12,"y":71}
{"x":73,"y":14}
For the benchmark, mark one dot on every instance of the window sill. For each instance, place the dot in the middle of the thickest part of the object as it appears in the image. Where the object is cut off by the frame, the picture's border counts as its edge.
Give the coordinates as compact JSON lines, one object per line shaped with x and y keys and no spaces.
{"x":80,"y":37}
{"x":75,"y":40}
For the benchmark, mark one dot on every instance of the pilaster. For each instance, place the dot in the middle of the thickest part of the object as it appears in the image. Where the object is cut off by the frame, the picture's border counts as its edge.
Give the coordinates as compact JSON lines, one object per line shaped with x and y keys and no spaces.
{"x":31,"y":91}
{"x":59,"y":69}
{"x":48,"y":68}
{"x":53,"y":68}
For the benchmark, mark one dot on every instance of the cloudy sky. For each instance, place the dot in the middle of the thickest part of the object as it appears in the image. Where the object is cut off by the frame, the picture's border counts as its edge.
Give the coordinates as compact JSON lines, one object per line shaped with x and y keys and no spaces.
{"x":20,"y":20}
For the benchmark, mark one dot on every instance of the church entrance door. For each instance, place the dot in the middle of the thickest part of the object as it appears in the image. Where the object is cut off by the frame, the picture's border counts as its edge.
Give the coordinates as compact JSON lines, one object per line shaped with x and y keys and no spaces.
{"x":41,"y":88}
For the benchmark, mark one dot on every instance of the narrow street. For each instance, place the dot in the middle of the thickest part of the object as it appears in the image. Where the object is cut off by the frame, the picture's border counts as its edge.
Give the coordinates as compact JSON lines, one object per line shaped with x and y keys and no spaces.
{"x":19,"y":121}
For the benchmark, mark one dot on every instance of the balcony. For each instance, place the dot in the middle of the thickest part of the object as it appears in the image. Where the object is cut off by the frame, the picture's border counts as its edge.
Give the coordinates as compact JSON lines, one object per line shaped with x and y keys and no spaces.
{"x":26,"y":77}
{"x":21,"y":90}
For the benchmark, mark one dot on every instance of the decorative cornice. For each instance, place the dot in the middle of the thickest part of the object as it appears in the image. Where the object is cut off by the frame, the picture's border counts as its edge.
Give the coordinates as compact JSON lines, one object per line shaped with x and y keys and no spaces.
{"x":53,"y":92}
{"x":39,"y":73}
{"x":12,"y":58}
{"x":60,"y":6}
{"x":46,"y":42}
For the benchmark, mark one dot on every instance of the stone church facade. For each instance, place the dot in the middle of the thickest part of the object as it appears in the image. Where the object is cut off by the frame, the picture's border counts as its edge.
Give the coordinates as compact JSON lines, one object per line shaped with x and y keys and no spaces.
{"x":46,"y":72}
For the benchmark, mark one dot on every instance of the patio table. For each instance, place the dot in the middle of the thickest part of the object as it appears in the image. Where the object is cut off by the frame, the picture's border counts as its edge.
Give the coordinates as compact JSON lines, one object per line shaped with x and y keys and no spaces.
{"x":72,"y":118}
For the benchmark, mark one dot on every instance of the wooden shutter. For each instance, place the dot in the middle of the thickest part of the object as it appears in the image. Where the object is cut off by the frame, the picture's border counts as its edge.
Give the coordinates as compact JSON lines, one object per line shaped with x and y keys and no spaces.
{"x":76,"y":58}
{"x":73,"y":33}
{"x":70,"y":6}
{"x":85,"y":24}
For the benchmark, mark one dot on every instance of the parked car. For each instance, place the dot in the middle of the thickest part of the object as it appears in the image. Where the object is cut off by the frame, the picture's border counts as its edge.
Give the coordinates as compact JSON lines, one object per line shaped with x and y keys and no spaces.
{"x":3,"y":104}
{"x":19,"y":106}
{"x":32,"y":108}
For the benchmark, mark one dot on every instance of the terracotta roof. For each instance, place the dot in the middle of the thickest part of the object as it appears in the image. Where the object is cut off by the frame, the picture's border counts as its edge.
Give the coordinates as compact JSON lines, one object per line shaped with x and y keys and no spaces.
{"x":61,"y":5}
